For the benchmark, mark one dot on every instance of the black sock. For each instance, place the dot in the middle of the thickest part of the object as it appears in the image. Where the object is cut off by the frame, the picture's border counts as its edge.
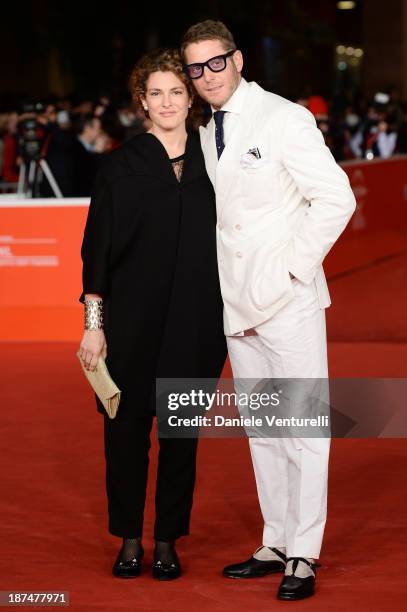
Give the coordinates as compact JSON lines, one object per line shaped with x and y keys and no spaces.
{"x":131,"y":548}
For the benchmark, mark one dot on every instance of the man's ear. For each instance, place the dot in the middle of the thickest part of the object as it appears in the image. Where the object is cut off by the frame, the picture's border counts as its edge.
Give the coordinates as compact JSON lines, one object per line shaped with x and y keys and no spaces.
{"x":238,"y":60}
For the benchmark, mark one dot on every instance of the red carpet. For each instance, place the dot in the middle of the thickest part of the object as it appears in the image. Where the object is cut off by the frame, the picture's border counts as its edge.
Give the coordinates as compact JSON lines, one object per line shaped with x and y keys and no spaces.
{"x":370,"y":303}
{"x":54,"y":517}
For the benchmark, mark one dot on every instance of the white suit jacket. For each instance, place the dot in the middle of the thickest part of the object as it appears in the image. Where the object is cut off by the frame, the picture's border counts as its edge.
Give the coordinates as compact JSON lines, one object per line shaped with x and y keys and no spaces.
{"x":277,"y":214}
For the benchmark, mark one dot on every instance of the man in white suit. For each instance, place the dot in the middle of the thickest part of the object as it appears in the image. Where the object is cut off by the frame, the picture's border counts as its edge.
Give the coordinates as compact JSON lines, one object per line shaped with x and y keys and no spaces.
{"x":282,"y":202}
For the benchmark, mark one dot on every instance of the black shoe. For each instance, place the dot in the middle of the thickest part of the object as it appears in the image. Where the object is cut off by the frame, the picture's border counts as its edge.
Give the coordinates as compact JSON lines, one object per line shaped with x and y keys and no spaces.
{"x":293,"y":587}
{"x":167,"y":568}
{"x":166,"y":571}
{"x":254,"y":568}
{"x":128,"y":569}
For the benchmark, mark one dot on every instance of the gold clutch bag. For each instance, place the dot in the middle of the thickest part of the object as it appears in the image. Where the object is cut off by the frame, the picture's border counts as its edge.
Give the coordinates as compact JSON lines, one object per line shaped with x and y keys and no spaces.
{"x":103,"y":385}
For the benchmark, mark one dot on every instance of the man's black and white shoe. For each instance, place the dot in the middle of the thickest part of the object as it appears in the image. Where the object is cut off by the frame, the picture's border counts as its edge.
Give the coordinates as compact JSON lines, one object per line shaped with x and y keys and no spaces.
{"x":264,"y":561}
{"x":299,"y":579}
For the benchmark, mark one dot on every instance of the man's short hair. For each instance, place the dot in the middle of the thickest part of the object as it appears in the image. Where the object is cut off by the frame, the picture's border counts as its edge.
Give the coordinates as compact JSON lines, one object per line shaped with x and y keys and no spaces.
{"x":208,"y":30}
{"x":83,"y":121}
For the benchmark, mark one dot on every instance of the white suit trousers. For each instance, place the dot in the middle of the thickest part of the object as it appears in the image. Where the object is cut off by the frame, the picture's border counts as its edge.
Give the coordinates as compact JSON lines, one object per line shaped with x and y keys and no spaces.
{"x":291,"y":473}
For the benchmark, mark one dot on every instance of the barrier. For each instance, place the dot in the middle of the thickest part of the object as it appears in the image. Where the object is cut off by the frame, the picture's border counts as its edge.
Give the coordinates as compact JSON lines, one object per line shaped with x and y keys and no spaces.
{"x":40,"y":268}
{"x":40,"y":240}
{"x":378,"y":227}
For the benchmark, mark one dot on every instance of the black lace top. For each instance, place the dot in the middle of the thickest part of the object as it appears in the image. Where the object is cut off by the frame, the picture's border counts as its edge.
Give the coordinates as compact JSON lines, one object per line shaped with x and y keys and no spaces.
{"x":178,"y":164}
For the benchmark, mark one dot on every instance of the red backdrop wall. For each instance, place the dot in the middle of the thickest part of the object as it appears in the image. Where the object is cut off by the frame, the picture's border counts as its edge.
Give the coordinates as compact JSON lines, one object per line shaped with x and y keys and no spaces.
{"x":40,"y":240}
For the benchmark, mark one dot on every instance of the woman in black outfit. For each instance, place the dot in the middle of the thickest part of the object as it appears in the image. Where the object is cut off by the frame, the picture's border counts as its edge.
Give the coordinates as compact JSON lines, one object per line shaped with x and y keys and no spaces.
{"x":150,"y":271}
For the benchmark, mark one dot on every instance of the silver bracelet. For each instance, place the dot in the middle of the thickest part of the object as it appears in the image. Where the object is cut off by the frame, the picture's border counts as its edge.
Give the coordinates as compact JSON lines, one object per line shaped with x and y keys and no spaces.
{"x":93,"y":314}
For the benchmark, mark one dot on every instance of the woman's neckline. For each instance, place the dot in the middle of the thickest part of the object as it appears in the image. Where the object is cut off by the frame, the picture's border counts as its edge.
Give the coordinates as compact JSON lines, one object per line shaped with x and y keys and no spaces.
{"x":176,"y":159}
{"x":173,"y":159}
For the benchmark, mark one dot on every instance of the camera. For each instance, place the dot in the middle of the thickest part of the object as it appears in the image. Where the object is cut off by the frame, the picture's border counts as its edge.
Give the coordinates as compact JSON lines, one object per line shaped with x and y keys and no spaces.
{"x":31,"y":133}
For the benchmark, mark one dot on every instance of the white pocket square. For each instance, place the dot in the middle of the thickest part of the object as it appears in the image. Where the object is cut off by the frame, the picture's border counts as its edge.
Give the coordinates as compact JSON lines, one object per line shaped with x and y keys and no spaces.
{"x":248,"y":160}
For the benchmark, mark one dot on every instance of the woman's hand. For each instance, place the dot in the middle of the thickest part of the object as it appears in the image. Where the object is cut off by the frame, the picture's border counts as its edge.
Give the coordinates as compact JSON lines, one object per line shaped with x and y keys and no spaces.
{"x":92,"y":345}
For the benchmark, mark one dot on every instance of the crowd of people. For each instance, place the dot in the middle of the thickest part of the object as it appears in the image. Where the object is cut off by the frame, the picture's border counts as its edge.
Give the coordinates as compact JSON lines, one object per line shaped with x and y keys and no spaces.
{"x":77,"y":134}
{"x":73,"y":139}
{"x":362,"y":130}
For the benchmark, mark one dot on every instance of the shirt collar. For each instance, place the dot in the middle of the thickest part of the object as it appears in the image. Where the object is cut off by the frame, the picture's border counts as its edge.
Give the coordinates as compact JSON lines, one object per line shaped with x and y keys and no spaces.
{"x":235,"y":102}
{"x":88,"y":146}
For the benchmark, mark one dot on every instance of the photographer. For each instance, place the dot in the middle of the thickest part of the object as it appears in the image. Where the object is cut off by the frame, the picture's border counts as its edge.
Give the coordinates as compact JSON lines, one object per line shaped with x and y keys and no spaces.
{"x":89,"y":146}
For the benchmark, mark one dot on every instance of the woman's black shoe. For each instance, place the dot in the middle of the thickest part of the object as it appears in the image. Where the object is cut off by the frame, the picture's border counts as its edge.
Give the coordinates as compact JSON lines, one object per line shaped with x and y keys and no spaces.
{"x":128,"y":568}
{"x":166,"y":571}
{"x":166,"y":565}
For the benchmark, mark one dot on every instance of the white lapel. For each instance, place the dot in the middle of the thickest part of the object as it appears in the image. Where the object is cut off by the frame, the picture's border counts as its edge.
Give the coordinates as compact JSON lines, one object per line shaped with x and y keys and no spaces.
{"x":208,"y":144}
{"x":233,"y":148}
{"x":241,"y":135}
{"x":244,"y":125}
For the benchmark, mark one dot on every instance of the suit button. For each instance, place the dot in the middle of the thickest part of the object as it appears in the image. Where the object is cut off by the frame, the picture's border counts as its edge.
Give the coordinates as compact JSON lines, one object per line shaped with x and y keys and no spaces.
{"x":239,"y":254}
{"x":238,"y":227}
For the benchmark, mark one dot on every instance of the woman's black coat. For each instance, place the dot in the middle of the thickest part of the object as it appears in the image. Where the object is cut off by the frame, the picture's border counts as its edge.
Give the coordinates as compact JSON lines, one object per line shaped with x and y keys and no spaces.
{"x":149,"y":249}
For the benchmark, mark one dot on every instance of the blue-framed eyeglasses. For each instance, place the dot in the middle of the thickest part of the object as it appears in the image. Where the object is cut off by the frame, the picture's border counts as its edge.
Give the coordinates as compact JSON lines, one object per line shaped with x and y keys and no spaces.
{"x":216,"y":64}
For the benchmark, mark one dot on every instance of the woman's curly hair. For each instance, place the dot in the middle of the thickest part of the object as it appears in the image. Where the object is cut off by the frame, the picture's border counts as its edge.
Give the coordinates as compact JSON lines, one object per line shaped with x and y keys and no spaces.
{"x":163,"y":60}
